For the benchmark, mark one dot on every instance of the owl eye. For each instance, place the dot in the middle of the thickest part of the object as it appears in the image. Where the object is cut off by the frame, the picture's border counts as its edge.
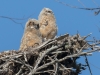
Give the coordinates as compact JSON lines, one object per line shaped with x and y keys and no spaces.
{"x":31,"y":23}
{"x":49,"y":11}
{"x":36,"y":26}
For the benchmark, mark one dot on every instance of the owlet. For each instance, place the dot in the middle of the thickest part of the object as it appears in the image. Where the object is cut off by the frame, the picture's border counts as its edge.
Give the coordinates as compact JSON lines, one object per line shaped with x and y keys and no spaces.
{"x":47,"y":23}
{"x":31,"y":36}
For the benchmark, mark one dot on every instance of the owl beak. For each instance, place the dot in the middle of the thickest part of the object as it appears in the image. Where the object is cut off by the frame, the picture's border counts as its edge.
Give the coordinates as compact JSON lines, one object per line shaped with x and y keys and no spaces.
{"x":32,"y":27}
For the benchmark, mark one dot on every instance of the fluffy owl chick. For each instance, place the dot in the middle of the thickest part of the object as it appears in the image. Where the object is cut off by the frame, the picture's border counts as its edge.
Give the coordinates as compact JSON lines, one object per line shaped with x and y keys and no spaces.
{"x":47,"y":23}
{"x":31,"y":36}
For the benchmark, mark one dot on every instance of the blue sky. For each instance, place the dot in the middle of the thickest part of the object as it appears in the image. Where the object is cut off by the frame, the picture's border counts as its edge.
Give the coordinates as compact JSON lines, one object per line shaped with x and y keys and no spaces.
{"x":69,"y":20}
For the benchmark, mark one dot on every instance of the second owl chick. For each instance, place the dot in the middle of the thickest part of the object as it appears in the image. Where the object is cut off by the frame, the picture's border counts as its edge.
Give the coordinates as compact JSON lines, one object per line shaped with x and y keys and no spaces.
{"x":47,"y":23}
{"x":31,"y":36}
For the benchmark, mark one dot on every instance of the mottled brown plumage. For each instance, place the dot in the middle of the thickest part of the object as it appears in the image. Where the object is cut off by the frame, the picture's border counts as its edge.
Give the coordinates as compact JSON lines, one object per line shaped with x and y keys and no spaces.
{"x":31,"y":36}
{"x":47,"y":23}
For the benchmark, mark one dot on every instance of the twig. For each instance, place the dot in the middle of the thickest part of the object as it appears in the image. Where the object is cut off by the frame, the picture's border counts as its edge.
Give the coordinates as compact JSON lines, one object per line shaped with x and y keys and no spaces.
{"x":66,"y":4}
{"x":95,"y":3}
{"x":81,"y":3}
{"x":88,"y":65}
{"x":40,"y":58}
{"x":20,"y":71}
{"x":95,"y":66}
{"x":76,"y":6}
{"x":28,"y":66}
{"x":44,"y":71}
{"x":60,"y":60}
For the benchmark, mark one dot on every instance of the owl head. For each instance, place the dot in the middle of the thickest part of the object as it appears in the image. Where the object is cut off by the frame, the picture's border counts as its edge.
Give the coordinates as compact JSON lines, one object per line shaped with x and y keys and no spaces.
{"x":32,"y":24}
{"x":46,"y":11}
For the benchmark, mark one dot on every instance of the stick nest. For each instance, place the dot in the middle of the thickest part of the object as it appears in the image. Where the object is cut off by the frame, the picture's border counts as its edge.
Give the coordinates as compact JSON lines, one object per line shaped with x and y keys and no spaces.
{"x":54,"y":57}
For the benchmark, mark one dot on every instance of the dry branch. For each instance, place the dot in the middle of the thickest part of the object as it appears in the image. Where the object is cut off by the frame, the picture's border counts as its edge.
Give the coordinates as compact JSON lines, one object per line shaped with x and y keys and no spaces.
{"x":96,"y":10}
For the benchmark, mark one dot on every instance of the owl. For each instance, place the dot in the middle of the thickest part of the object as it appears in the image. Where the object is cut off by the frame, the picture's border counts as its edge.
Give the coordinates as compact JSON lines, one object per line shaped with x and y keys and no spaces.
{"x":31,"y":37}
{"x":47,"y":23}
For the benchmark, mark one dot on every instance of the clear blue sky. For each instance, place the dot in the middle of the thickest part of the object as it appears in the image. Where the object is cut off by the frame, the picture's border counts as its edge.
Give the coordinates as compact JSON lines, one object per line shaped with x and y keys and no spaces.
{"x":69,"y":20}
